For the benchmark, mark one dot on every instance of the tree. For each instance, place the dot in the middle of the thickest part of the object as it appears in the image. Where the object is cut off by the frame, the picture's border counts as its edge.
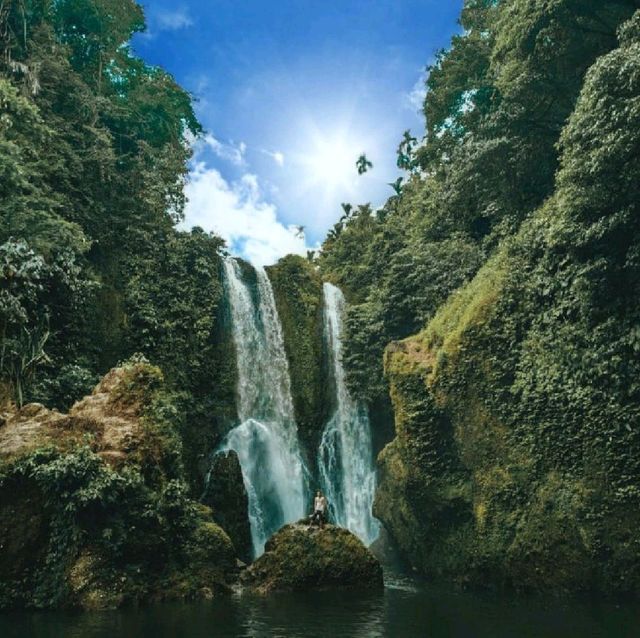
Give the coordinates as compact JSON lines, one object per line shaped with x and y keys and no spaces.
{"x":93,"y":159}
{"x":28,"y":307}
{"x":406,"y":152}
{"x":496,"y":103}
{"x":363,"y":164}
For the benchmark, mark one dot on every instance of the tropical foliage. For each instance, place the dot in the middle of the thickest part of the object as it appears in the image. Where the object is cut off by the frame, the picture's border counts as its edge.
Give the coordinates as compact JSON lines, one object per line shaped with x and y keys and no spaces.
{"x":496,"y":104}
{"x":93,"y":159}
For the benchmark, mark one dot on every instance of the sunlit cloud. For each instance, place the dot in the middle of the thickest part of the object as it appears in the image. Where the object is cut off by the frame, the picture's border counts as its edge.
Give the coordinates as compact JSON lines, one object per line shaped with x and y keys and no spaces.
{"x":414,"y":99}
{"x":173,"y":20}
{"x":307,"y":99}
{"x":229,"y":151}
{"x":276,"y":156}
{"x":238,"y":212}
{"x":160,"y":20}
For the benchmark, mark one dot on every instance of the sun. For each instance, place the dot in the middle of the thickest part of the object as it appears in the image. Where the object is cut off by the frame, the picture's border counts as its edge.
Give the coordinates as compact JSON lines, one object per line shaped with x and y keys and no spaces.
{"x":331,"y":162}
{"x":327,"y":166}
{"x":321,"y":151}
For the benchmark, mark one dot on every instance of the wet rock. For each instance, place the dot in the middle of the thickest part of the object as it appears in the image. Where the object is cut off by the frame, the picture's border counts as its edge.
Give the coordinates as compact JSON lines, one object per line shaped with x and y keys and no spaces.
{"x":299,"y":557}
{"x":226,"y":495}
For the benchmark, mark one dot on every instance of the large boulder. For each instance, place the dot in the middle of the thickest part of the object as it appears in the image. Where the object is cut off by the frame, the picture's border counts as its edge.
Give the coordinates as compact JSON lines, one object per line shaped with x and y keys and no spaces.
{"x":226,"y":495}
{"x":301,"y":558}
{"x":94,"y":507}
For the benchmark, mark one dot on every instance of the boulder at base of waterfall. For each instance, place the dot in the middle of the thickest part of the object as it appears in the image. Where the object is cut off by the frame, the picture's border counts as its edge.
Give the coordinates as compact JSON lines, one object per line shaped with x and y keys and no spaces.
{"x":302,"y":558}
{"x":226,"y":495}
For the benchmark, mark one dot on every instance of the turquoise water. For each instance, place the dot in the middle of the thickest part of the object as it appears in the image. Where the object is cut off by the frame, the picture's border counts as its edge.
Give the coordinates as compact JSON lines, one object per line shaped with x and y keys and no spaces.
{"x":402,"y":609}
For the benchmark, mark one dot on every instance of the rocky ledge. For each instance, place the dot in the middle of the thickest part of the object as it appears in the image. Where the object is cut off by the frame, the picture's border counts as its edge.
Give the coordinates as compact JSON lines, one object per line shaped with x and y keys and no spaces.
{"x":299,"y":557}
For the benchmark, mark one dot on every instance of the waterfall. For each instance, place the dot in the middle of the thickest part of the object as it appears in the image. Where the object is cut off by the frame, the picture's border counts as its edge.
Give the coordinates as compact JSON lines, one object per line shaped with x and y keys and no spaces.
{"x":345,"y":457}
{"x":266,"y":440}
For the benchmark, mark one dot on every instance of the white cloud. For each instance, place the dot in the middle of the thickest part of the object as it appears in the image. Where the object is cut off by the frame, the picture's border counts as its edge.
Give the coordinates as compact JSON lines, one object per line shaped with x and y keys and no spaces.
{"x":172,"y":20}
{"x":164,"y":20}
{"x":276,"y":156}
{"x":414,"y":100}
{"x":229,"y":151}
{"x":239,"y":214}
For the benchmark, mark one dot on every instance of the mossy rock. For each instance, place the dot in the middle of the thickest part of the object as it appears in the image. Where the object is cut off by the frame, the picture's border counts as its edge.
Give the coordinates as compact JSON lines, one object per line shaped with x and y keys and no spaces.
{"x":226,"y":495}
{"x":301,"y":558}
{"x":297,"y":289}
{"x":497,"y":415}
{"x":95,"y":508}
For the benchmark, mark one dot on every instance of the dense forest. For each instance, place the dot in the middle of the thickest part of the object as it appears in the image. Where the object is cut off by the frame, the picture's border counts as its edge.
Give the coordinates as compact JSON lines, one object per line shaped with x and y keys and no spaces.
{"x":497,"y":106}
{"x":512,"y":250}
{"x":493,"y":325}
{"x":94,"y":161}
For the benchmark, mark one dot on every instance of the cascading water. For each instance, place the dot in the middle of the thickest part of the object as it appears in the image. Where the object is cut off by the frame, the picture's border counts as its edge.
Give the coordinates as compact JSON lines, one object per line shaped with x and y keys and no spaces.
{"x":345,"y":458}
{"x":266,"y":441}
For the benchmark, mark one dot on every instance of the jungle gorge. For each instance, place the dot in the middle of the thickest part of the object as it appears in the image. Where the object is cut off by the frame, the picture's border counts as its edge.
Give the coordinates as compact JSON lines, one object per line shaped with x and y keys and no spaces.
{"x":459,"y":367}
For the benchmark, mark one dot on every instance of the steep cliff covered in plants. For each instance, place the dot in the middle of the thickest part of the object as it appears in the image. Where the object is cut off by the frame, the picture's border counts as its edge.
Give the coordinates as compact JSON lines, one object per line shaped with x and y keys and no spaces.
{"x":95,"y":507}
{"x":515,"y":242}
{"x":297,"y":288}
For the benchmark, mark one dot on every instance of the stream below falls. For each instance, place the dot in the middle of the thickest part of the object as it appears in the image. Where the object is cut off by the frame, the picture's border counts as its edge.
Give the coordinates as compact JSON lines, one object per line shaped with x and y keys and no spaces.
{"x":404,"y":609}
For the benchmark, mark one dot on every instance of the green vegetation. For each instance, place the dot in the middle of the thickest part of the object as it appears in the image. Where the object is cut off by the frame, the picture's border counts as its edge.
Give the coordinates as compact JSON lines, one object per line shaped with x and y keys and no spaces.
{"x":363,"y":164}
{"x":515,"y":242}
{"x":93,"y":158}
{"x":95,"y":508}
{"x":496,"y":104}
{"x":493,"y":306}
{"x":297,"y":288}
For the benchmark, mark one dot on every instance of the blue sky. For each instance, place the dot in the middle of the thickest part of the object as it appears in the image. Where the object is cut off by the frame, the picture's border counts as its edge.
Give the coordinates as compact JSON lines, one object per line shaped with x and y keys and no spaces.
{"x":290,"y":93}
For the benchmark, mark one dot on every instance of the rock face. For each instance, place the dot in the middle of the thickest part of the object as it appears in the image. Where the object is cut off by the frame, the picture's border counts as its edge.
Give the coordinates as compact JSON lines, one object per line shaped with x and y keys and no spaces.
{"x":483,"y":491}
{"x":300,"y":558}
{"x":94,"y":506}
{"x":297,"y":289}
{"x":226,"y":495}
{"x":517,"y":454}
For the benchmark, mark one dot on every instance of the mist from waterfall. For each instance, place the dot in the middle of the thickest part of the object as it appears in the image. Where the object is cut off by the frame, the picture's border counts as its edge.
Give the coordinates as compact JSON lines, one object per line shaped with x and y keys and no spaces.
{"x":345,"y":457}
{"x":266,"y":441}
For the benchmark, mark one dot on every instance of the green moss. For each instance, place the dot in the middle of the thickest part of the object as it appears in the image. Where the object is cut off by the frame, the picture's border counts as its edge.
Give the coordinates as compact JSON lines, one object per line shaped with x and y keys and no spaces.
{"x":210,"y":408}
{"x":108,"y":322}
{"x":136,"y":386}
{"x":226,"y":495}
{"x":299,"y":558}
{"x":467,"y":309}
{"x":178,"y":317}
{"x":494,"y":482}
{"x":24,"y":529}
{"x":297,"y":289}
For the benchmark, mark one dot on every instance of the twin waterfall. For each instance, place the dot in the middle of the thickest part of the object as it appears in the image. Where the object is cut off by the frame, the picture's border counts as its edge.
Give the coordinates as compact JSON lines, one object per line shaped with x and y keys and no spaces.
{"x":266,"y":441}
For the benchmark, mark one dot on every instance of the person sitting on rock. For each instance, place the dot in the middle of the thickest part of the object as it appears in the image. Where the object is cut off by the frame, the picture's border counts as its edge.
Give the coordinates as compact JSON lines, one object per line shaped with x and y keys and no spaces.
{"x":319,"y":509}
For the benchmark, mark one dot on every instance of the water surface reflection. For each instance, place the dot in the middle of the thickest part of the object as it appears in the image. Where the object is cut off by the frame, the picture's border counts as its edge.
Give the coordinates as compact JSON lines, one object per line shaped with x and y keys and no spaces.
{"x":402,"y":609}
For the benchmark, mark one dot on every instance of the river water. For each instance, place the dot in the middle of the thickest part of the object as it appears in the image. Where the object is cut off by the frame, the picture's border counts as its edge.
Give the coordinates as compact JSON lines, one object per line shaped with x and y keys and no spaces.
{"x":403,"y":609}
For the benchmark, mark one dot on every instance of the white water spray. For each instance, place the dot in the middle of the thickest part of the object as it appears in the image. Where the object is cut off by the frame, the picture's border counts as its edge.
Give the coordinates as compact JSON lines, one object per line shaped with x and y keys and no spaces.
{"x":345,"y":457}
{"x":266,"y":441}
